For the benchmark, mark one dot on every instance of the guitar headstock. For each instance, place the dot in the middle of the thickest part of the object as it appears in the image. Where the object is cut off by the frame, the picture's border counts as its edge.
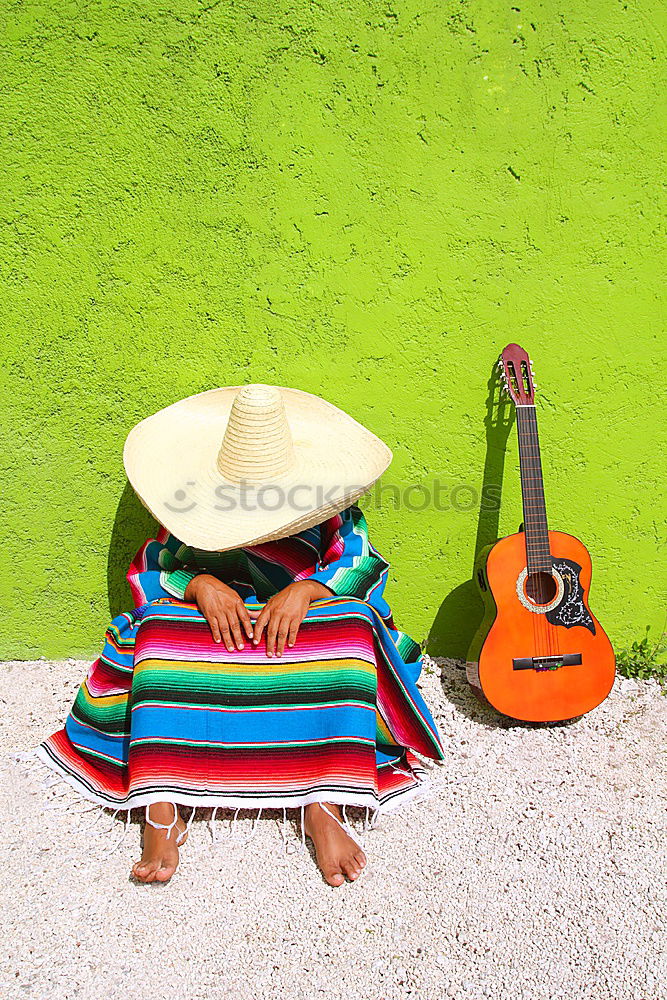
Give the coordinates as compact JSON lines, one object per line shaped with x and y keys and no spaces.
{"x":516,"y":375}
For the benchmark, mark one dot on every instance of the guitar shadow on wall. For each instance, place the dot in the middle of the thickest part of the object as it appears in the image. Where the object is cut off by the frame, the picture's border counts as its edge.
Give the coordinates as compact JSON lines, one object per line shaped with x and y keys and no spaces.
{"x":461,"y":611}
{"x":132,"y":526}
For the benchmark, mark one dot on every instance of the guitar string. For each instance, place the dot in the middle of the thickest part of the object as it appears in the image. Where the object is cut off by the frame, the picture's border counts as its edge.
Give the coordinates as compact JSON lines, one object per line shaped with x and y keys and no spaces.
{"x":544,"y":633}
{"x":540,"y":540}
{"x":552,"y":630}
{"x":532,"y":550}
{"x":536,"y":497}
{"x":540,"y":516}
{"x":527,"y":514}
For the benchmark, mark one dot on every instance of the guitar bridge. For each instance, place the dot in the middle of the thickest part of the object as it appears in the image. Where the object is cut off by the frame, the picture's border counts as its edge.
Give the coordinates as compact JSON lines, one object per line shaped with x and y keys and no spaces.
{"x":547,"y":662}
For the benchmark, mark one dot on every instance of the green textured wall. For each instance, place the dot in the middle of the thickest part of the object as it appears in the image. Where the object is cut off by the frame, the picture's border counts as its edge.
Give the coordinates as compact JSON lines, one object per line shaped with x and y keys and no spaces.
{"x":365,"y":200}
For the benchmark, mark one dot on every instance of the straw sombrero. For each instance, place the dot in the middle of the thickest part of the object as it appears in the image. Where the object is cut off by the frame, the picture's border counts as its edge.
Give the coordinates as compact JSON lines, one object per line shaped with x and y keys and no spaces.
{"x":237,"y":466}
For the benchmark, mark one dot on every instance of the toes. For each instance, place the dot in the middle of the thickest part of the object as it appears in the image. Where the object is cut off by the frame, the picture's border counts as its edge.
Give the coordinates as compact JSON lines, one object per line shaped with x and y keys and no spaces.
{"x":334,"y":877}
{"x":351,"y":869}
{"x":360,"y":858}
{"x":145,"y":871}
{"x":164,"y":874}
{"x":145,"y":875}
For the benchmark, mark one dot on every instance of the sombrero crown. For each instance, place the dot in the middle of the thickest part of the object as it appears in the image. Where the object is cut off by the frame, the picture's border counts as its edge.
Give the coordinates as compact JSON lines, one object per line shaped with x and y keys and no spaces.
{"x":237,"y":466}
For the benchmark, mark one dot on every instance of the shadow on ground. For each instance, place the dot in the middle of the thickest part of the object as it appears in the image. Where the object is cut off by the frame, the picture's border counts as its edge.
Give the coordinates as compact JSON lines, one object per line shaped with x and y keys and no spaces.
{"x":458,"y":692}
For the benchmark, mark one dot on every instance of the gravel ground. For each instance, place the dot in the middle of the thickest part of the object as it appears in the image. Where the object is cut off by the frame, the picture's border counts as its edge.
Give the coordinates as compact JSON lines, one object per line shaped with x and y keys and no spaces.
{"x":535,"y":870}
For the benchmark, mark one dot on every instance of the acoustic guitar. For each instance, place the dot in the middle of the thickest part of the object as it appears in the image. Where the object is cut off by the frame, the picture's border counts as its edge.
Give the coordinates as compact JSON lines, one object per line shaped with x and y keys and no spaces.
{"x":539,"y":655}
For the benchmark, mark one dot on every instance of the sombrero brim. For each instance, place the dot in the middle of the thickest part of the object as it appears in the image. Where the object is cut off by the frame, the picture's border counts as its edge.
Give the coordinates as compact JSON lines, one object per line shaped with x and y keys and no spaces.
{"x":171,"y":461}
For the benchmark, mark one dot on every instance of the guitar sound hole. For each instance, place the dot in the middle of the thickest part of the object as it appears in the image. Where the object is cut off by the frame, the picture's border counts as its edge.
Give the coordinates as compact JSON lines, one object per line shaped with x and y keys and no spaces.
{"x":541,"y":588}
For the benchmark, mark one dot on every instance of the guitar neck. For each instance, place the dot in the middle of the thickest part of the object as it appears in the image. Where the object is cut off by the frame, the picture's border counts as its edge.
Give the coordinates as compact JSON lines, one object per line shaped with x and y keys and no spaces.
{"x":532,"y":490}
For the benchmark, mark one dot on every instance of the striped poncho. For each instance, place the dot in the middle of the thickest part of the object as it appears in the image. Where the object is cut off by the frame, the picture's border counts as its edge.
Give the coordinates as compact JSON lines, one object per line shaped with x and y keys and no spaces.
{"x":167,"y":714}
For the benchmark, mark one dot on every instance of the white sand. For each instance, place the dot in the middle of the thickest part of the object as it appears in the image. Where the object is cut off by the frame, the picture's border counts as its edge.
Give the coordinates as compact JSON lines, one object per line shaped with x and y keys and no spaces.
{"x":536,"y":870}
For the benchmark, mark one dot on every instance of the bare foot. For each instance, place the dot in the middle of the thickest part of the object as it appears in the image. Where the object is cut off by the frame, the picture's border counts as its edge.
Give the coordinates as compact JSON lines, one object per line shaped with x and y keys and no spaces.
{"x":160,"y":855}
{"x":337,"y":854}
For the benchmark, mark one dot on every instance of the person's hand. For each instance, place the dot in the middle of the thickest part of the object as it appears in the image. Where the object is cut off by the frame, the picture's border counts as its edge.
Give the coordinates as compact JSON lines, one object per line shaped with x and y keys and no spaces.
{"x":222,"y":608}
{"x":283,"y":613}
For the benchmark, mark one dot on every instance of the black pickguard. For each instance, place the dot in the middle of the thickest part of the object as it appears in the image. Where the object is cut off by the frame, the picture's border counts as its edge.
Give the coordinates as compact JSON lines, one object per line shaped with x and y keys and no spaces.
{"x":571,"y":611}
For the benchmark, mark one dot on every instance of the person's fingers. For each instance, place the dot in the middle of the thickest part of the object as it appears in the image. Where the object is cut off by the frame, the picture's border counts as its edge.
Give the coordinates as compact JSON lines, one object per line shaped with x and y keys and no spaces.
{"x":272,"y":633}
{"x":236,"y":629}
{"x":283,"y":632}
{"x":226,"y":632}
{"x":260,"y":624}
{"x":244,"y":618}
{"x":215,"y":628}
{"x":293,"y":631}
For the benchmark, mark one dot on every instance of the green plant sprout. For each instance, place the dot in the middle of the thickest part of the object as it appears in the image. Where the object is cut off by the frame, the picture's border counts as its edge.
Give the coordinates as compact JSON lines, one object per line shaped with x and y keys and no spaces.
{"x":644,"y":659}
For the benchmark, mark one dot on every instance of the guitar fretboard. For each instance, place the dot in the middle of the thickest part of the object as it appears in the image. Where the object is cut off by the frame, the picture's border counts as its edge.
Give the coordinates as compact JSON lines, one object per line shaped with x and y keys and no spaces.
{"x":532,"y":490}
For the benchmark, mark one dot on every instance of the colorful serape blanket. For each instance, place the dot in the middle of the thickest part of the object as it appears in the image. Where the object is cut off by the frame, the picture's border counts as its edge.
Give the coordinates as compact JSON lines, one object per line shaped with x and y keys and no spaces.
{"x":167,"y":714}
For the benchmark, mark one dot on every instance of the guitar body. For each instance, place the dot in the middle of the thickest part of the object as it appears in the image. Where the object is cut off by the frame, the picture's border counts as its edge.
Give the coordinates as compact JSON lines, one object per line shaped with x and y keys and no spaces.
{"x":543,"y":660}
